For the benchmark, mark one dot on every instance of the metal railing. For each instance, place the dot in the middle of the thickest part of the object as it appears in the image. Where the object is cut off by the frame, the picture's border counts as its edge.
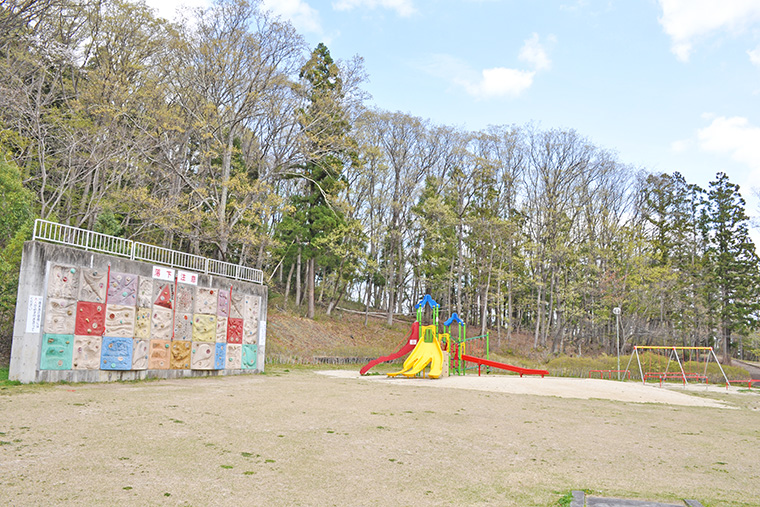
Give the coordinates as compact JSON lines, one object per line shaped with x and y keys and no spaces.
{"x":103,"y":243}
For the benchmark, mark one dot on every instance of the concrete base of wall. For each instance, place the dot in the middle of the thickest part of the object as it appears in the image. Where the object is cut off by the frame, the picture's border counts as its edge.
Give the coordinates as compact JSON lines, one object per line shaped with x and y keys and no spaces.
{"x":114,"y":376}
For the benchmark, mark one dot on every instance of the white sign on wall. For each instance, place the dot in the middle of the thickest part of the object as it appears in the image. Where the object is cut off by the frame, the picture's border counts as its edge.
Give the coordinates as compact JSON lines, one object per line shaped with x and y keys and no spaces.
{"x":187,"y":277}
{"x":161,"y":273}
{"x":34,"y":314}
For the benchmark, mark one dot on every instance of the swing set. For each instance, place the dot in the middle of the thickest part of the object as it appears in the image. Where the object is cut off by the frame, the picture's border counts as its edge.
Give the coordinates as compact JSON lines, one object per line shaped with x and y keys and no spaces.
{"x":656,"y":368}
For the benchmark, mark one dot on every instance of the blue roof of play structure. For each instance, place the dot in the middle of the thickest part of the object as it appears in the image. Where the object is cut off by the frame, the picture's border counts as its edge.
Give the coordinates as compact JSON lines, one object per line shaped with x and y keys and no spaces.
{"x":427,"y":300}
{"x":454,"y":317}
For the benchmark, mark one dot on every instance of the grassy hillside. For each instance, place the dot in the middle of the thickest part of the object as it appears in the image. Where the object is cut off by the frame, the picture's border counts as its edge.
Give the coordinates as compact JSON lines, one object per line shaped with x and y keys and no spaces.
{"x":343,"y":336}
{"x":292,"y":338}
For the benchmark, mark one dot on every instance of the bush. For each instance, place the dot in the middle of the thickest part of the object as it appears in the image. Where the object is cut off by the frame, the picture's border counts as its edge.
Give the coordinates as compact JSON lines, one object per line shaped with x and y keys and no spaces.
{"x":16,"y":221}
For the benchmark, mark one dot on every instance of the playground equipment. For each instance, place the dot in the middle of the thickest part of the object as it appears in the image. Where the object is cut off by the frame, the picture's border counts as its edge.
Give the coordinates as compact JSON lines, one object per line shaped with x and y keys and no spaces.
{"x":459,"y":358}
{"x":411,"y":341}
{"x":427,"y":348}
{"x":653,"y":364}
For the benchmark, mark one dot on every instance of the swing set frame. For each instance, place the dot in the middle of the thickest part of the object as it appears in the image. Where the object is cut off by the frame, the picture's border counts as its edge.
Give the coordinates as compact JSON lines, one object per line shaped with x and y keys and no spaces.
{"x":674,"y":356}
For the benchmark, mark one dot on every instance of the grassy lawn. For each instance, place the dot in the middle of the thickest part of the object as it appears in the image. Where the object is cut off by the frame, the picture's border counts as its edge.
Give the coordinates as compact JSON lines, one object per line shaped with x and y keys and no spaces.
{"x":296,"y":437}
{"x":4,"y":378}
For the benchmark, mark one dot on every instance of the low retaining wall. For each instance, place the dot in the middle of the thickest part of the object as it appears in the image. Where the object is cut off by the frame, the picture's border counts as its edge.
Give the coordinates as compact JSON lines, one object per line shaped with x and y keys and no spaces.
{"x":90,"y":317}
{"x":342,"y":360}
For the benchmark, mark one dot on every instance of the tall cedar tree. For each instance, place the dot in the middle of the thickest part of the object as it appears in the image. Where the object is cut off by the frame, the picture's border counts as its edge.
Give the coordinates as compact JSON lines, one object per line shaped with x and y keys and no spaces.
{"x":732,"y":262}
{"x":325,"y":126}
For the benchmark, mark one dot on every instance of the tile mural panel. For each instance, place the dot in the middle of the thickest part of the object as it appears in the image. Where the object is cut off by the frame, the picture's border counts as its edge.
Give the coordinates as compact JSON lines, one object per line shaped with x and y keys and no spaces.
{"x":102,"y":319}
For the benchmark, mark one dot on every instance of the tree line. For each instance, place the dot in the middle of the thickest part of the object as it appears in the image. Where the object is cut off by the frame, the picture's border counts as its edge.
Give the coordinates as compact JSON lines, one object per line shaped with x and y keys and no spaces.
{"x":224,"y":135}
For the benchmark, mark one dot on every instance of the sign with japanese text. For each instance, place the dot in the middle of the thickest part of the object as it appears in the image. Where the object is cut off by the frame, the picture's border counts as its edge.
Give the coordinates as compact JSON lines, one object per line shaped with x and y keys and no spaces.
{"x":34,"y":314}
{"x":167,"y":274}
{"x":187,"y":277}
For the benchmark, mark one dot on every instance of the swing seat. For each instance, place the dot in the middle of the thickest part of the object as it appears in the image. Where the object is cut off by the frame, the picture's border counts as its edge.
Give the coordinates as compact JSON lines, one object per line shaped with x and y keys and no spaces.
{"x":675,"y":375}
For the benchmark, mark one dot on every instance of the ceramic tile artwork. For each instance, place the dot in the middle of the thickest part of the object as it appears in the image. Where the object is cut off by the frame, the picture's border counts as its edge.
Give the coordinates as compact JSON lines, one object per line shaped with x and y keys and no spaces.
{"x":92,"y":285}
{"x":234,"y":330}
{"x":183,"y":326}
{"x":223,"y":303}
{"x":142,"y":323}
{"x":87,"y":352}
{"x":250,"y":331}
{"x":96,"y":319}
{"x":183,"y":301}
{"x":249,"y":356}
{"x":163,"y":295}
{"x":221,"y":329}
{"x":256,"y":311}
{"x":252,"y":306}
{"x":140,"y":354}
{"x":63,"y":282}
{"x":180,"y":355}
{"x":220,"y":355}
{"x":57,"y":352}
{"x":162,"y":325}
{"x":90,"y":319}
{"x":159,"y":354}
{"x":120,"y":321}
{"x":234,"y":356}
{"x":204,"y":328}
{"x":206,"y":301}
{"x":122,"y":289}
{"x":60,"y":316}
{"x":237,"y":305}
{"x":144,"y":292}
{"x":116,"y":353}
{"x":203,"y":356}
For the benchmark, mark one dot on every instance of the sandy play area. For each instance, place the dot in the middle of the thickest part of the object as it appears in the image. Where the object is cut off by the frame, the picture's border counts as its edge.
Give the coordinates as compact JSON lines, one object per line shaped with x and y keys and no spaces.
{"x":301,"y":437}
{"x":586,"y":389}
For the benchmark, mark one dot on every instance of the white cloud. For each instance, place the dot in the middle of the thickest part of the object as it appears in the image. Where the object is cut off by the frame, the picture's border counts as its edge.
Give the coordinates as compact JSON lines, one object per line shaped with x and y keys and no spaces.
{"x":681,"y":145}
{"x":403,"y":8}
{"x":488,"y":83}
{"x":734,"y":136}
{"x":501,"y":82}
{"x":754,"y":56}
{"x":493,"y":82}
{"x":687,"y":21}
{"x":301,"y":14}
{"x":533,"y":52}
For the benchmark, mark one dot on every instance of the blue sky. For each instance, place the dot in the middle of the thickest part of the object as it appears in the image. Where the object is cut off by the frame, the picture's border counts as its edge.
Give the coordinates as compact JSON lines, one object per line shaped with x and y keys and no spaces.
{"x":670,"y":85}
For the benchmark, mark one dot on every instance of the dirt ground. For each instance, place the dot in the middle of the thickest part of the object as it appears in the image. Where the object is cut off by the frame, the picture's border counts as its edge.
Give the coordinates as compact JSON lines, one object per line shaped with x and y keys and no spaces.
{"x":301,"y":437}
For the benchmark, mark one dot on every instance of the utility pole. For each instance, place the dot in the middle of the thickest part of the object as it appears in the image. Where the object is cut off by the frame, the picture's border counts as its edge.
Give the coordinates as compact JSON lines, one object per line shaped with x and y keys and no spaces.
{"x":616,"y":311}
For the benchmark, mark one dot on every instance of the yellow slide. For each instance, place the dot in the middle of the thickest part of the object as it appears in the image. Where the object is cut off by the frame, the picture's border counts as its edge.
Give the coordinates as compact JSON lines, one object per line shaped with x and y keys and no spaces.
{"x":426,"y":352}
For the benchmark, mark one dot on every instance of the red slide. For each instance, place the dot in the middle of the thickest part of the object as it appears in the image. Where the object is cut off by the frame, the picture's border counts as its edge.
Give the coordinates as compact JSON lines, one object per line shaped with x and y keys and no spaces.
{"x":411,"y":342}
{"x":493,"y":364}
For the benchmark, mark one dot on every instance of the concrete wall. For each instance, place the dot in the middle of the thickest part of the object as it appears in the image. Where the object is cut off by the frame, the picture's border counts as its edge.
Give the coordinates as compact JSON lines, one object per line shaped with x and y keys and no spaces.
{"x":89,"y":317}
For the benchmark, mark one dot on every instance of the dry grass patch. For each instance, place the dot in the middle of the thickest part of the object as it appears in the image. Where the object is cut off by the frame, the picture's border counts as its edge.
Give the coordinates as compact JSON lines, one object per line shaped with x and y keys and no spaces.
{"x":298,"y":438}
